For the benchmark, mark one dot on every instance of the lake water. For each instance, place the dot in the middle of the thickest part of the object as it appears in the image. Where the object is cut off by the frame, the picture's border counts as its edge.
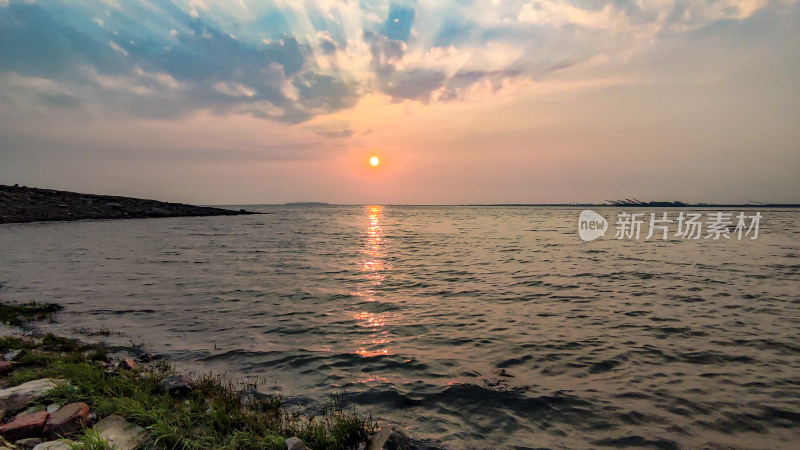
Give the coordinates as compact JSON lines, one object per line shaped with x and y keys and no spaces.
{"x":476,"y":326}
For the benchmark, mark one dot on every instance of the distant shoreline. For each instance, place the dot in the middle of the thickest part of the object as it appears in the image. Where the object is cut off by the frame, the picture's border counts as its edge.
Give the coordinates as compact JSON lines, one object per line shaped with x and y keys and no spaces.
{"x":549,"y":205}
{"x":24,"y":204}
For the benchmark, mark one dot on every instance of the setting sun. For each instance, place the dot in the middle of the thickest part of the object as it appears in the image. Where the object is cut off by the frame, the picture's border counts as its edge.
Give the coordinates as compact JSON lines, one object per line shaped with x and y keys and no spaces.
{"x":374,"y":161}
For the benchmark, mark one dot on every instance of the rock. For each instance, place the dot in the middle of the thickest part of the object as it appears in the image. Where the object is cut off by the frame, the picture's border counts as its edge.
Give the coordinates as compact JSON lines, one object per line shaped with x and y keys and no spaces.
{"x":63,"y":444}
{"x":5,"y":367}
{"x":68,"y":419}
{"x":390,"y":438}
{"x":143,"y":356}
{"x":127,"y":364}
{"x":176,"y":384}
{"x":15,"y":398}
{"x":121,"y":434}
{"x":27,"y":426}
{"x":379,"y":439}
{"x":53,"y":408}
{"x":28,"y":442}
{"x":294,"y":443}
{"x":12,"y":355}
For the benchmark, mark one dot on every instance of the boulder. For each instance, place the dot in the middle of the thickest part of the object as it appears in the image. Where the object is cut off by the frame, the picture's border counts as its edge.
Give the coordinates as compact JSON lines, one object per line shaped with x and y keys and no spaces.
{"x":68,"y":419}
{"x":25,"y":426}
{"x":176,"y":384}
{"x":15,"y":398}
{"x":121,"y":434}
{"x":294,"y":443}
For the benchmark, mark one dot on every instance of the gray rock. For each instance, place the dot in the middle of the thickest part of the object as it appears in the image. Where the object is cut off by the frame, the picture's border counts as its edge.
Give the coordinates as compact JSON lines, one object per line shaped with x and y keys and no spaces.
{"x":390,"y":438}
{"x":379,"y":439}
{"x":176,"y":384}
{"x":53,"y":408}
{"x":294,"y":443}
{"x":64,"y":444}
{"x":28,"y":442}
{"x":15,"y":398}
{"x":12,"y":355}
{"x":121,"y":434}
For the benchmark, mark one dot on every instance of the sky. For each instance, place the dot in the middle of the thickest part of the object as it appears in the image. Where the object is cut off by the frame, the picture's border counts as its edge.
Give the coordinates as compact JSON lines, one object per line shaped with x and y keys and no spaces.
{"x":553,"y":101}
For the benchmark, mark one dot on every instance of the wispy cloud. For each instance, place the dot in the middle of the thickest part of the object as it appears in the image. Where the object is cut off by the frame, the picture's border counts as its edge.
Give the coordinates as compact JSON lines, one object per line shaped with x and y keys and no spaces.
{"x":278,"y":61}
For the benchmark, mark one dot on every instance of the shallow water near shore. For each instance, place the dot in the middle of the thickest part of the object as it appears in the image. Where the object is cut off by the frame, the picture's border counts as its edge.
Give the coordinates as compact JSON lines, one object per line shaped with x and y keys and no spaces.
{"x":478,"y":326}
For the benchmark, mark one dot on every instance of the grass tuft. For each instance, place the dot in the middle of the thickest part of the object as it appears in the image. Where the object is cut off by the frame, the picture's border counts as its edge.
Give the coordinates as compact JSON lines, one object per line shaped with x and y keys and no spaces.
{"x":213,"y":415}
{"x":16,"y":314}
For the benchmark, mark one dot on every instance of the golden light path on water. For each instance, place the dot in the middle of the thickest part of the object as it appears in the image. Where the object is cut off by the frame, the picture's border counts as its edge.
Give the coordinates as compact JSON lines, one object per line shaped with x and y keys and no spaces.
{"x":373,"y":267}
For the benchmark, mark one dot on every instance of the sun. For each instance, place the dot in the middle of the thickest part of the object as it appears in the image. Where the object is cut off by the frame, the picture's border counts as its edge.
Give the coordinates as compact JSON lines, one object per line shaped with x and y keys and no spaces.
{"x":374,"y":161}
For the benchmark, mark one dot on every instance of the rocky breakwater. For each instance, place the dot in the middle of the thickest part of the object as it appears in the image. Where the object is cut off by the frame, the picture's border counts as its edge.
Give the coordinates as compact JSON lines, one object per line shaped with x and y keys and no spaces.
{"x":20,"y":204}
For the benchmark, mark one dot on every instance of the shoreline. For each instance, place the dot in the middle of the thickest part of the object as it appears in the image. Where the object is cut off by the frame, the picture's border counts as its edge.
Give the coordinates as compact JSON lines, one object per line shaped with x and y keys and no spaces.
{"x":21,"y":204}
{"x":133,"y":390}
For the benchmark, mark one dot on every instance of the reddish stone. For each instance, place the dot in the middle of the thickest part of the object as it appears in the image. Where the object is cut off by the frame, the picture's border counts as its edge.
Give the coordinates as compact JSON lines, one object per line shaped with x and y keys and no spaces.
{"x":27,"y":426}
{"x":68,"y":419}
{"x":127,"y":364}
{"x":5,"y":367}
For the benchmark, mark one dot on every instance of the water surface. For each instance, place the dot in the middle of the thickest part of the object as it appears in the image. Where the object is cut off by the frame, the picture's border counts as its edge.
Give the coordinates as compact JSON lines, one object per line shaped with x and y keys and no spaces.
{"x":478,"y":326}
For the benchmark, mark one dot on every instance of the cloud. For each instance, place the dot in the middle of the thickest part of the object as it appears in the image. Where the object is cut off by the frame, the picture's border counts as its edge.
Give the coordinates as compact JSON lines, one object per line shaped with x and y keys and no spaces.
{"x":290,"y":63}
{"x":336,"y":134}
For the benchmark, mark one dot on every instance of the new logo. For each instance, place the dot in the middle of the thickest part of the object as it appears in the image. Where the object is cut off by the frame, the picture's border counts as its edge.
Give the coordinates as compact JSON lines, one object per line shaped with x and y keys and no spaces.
{"x":591,"y":225}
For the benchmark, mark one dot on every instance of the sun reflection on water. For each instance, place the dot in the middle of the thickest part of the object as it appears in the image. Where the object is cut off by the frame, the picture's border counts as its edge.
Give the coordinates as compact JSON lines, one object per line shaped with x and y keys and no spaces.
{"x":373,"y":265}
{"x":374,"y":268}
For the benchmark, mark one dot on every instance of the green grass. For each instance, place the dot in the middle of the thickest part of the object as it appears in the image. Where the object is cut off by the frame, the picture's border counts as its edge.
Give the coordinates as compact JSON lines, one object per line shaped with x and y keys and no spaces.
{"x":18,"y":313}
{"x":90,"y":440}
{"x":211,"y":416}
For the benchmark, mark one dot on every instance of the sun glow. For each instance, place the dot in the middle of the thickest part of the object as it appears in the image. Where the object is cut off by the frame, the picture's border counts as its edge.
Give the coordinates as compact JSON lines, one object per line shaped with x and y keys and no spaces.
{"x":374,"y":161}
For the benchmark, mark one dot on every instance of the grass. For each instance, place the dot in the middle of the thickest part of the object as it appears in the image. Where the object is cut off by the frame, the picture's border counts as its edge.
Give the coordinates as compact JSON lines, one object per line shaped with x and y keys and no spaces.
{"x":17,"y":314}
{"x":213,"y":415}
